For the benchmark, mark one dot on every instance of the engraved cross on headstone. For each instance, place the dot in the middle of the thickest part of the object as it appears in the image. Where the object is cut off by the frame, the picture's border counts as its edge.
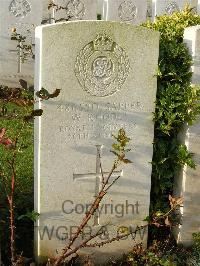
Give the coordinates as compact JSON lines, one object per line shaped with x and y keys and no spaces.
{"x":26,"y":31}
{"x":19,"y":60}
{"x":52,"y":15}
{"x":98,"y":177}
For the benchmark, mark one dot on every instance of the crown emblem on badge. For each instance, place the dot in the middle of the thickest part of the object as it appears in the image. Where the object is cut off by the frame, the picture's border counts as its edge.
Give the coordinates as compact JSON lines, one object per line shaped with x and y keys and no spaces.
{"x":103,"y":43}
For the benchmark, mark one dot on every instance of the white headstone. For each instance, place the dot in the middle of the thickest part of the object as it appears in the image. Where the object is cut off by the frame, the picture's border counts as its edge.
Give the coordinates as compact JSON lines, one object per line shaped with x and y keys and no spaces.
{"x":198,"y":7}
{"x":133,"y":11}
{"x":76,"y":9}
{"x":107,"y":75}
{"x":188,"y":183}
{"x":149,"y":9}
{"x":46,"y":12}
{"x":161,"y":7}
{"x":23,"y":15}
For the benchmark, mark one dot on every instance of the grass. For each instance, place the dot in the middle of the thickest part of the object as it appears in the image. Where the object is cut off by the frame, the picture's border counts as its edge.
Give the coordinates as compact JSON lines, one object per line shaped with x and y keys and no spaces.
{"x":15,"y":126}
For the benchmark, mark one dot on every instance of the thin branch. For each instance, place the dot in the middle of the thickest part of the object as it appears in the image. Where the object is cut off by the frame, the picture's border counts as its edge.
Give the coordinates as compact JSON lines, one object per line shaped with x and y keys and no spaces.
{"x":88,"y":216}
{"x":117,"y":238}
{"x":114,"y":181}
{"x":101,"y":168}
{"x":82,"y":245}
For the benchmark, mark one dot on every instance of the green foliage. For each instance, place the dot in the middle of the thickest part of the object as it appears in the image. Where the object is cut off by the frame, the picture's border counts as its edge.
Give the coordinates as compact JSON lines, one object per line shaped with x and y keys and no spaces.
{"x":24,"y":181}
{"x":119,"y":148}
{"x":99,"y":17}
{"x":172,"y":27}
{"x":195,"y":258}
{"x":177,"y":104}
{"x":33,"y":216}
{"x":158,"y":254}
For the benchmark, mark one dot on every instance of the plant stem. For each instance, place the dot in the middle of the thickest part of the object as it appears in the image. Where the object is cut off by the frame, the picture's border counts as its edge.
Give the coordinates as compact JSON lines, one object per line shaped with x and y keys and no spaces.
{"x":93,"y":208}
{"x":12,"y":224}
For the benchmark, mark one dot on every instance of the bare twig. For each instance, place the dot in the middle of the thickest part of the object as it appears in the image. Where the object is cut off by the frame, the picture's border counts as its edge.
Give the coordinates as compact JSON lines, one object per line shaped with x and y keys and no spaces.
{"x":117,"y":238}
{"x":114,"y":181}
{"x":120,"y":153}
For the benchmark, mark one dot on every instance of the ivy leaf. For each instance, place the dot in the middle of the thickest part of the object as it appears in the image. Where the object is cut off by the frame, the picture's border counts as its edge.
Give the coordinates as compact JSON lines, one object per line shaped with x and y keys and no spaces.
{"x":55,"y":94}
{"x":45,"y":95}
{"x":23,"y":83}
{"x":33,"y":216}
{"x":37,"y":112}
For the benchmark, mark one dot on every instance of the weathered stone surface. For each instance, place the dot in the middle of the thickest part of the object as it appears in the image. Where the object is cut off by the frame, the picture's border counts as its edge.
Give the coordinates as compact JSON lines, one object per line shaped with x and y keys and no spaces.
{"x":23,"y":15}
{"x":77,"y":9}
{"x":133,"y":11}
{"x":160,"y":7}
{"x":107,"y":75}
{"x":188,"y":182}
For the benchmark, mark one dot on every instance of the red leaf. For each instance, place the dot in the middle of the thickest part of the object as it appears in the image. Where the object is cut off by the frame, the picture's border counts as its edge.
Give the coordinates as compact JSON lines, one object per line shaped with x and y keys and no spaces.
{"x":6,"y":142}
{"x":2,"y":132}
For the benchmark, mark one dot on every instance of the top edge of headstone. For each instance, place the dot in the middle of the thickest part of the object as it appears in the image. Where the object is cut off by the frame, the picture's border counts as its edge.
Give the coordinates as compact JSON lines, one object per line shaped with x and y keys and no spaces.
{"x":40,"y":28}
{"x":192,"y":28}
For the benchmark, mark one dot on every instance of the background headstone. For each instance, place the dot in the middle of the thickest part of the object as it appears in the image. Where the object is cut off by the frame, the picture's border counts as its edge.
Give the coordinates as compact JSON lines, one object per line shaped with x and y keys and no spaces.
{"x":24,"y":15}
{"x":198,"y":7}
{"x":46,"y":13}
{"x":77,"y":9}
{"x":161,"y":7}
{"x":188,"y":182}
{"x":149,"y":9}
{"x":107,"y":75}
{"x":133,"y":11}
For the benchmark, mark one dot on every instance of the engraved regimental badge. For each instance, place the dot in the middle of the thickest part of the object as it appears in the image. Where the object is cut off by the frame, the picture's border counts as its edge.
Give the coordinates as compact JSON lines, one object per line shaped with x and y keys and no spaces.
{"x":102,"y":66}
{"x":127,"y":10}
{"x":20,"y":8}
{"x":75,"y":9}
{"x":171,"y":8}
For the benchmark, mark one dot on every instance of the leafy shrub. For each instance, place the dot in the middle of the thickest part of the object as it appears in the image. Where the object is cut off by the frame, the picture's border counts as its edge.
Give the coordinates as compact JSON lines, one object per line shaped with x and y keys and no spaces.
{"x":176,"y":104}
{"x":194,"y":260}
{"x":163,"y":253}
